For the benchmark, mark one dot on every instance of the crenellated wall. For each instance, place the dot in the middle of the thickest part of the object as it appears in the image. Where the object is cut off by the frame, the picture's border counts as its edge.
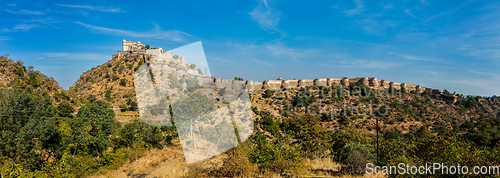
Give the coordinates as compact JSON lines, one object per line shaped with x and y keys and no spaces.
{"x":372,"y":82}
{"x":333,"y":81}
{"x":272,"y":84}
{"x":306,"y":82}
{"x":238,"y":85}
{"x":288,"y":84}
{"x":321,"y":82}
{"x":395,"y":85}
{"x":223,"y":83}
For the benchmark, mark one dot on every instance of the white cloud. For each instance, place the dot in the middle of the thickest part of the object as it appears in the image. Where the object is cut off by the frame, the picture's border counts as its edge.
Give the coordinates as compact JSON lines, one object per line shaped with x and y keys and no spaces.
{"x":262,"y":62}
{"x":156,"y":33}
{"x":225,"y":61}
{"x":418,"y":58}
{"x":4,"y":38}
{"x":56,"y":54}
{"x":388,"y":6}
{"x":365,"y":64}
{"x":20,"y":27}
{"x":26,"y":12}
{"x":409,"y":12}
{"x":432,"y":73}
{"x":62,"y":56}
{"x":94,"y":8}
{"x":486,"y":73}
{"x":373,"y":64}
{"x":278,"y":49}
{"x":358,"y":9}
{"x":267,"y":18}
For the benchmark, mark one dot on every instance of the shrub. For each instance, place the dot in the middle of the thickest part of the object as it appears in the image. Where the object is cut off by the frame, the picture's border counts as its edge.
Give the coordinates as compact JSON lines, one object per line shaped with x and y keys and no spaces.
{"x":123,"y":82}
{"x":268,"y":93}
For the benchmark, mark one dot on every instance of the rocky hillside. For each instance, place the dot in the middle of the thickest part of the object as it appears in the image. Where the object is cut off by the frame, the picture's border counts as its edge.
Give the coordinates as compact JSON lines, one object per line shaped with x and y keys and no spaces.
{"x":357,"y":107}
{"x":112,"y":82}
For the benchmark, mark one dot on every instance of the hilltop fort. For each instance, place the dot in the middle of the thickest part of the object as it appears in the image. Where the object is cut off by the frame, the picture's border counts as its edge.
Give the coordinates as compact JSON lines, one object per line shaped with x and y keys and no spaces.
{"x":138,"y":50}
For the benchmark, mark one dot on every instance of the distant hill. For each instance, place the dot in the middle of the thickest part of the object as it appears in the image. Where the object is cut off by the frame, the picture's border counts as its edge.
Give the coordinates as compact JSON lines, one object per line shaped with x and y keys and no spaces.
{"x":13,"y":74}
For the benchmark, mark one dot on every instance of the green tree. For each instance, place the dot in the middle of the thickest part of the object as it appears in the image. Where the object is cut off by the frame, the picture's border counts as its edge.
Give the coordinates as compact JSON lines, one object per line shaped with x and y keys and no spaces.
{"x":91,"y":127}
{"x":136,"y":133}
{"x":65,"y":109}
{"x":28,"y":126}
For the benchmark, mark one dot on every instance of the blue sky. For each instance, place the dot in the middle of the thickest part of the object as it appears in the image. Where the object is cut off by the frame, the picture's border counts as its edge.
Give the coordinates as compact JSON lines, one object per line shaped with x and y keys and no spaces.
{"x":452,"y":45}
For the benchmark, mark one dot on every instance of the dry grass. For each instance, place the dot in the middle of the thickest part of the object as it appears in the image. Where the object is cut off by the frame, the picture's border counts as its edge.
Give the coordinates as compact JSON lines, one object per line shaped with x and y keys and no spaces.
{"x":167,"y":162}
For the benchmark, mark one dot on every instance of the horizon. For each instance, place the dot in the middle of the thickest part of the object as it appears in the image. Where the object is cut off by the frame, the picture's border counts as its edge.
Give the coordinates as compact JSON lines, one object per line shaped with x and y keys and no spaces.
{"x":456,"y":48}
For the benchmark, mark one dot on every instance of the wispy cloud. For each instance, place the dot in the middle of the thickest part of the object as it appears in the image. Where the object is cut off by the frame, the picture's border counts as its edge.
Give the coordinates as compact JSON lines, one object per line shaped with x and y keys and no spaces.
{"x":4,"y":38}
{"x":262,"y":62}
{"x":388,"y":6}
{"x":11,"y":4}
{"x":267,"y":17}
{"x":364,"y":64}
{"x":418,"y":58}
{"x":48,"y":20}
{"x":278,"y":49}
{"x":156,"y":33}
{"x":486,"y":73}
{"x":94,"y":8}
{"x":360,"y":7}
{"x":225,"y":61}
{"x":432,"y":73}
{"x":82,"y":56}
{"x":275,"y":49}
{"x":409,"y":12}
{"x":26,"y":12}
{"x":20,"y":27}
{"x":56,"y":54}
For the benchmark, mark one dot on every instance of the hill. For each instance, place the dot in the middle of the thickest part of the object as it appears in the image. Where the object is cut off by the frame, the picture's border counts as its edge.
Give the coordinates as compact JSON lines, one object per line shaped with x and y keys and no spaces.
{"x":14,"y":74}
{"x":112,"y":82}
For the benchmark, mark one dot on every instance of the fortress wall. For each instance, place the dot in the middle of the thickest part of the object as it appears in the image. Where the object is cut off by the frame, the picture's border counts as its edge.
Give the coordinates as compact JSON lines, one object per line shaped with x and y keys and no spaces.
{"x":205,"y":81}
{"x":384,"y":83}
{"x":344,"y":82}
{"x":223,"y":83}
{"x":254,"y":85}
{"x":321,"y":82}
{"x":306,"y":82}
{"x":409,"y":87}
{"x":290,"y":84}
{"x":395,"y":85}
{"x":123,"y":53}
{"x":420,"y":89}
{"x":272,"y":85}
{"x":238,"y":85}
{"x":373,"y":82}
{"x":333,"y":81}
{"x":364,"y":81}
{"x":354,"y":80}
{"x":154,"y":51}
